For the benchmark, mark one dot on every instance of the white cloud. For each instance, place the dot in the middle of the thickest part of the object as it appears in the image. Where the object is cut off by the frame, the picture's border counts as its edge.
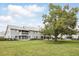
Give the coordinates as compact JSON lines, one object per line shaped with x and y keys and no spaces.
{"x":27,"y":10}
{"x":34,"y":8}
{"x":16,"y":15}
{"x":20,"y":10}
{"x":6,"y":18}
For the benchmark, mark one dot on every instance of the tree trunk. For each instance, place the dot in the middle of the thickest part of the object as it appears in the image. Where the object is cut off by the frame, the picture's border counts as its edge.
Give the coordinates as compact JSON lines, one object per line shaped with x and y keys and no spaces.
{"x":47,"y":37}
{"x":55,"y":38}
{"x":44,"y":37}
{"x":61,"y":37}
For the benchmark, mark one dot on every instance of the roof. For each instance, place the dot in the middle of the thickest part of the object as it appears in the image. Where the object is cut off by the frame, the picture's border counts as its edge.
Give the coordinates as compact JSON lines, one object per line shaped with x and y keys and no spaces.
{"x":23,"y":28}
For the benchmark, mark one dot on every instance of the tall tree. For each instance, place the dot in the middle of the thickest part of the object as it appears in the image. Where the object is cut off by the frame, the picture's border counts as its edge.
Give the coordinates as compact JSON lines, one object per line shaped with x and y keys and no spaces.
{"x":60,"y":20}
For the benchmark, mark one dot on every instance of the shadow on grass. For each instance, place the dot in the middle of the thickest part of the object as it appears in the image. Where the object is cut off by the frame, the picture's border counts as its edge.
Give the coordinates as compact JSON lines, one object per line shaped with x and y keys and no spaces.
{"x":63,"y":42}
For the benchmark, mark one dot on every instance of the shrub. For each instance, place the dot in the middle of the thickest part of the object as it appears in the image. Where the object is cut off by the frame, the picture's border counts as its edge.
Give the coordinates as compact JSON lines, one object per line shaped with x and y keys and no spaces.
{"x":69,"y":37}
{"x":35,"y":39}
{"x":7,"y":39}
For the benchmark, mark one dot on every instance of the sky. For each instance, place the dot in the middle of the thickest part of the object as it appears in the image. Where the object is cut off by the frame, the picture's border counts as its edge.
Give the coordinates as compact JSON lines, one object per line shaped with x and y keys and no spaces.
{"x":24,"y":14}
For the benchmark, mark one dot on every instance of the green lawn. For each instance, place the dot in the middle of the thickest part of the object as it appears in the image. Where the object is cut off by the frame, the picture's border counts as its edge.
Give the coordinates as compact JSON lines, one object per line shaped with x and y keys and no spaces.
{"x":39,"y":48}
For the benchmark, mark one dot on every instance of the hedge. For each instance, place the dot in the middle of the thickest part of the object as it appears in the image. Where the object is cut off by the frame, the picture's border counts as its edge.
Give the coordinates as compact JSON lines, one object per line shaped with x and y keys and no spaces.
{"x":7,"y":39}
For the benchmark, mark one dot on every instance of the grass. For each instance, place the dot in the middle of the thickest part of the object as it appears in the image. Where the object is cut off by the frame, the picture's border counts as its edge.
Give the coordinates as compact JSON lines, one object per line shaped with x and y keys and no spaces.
{"x":39,"y":48}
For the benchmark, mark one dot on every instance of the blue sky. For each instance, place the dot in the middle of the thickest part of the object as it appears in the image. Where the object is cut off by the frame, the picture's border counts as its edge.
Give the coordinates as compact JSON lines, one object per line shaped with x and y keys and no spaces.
{"x":24,"y":14}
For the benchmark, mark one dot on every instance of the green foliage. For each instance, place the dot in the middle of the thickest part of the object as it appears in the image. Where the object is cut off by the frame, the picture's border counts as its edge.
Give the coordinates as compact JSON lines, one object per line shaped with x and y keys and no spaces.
{"x":60,"y":20}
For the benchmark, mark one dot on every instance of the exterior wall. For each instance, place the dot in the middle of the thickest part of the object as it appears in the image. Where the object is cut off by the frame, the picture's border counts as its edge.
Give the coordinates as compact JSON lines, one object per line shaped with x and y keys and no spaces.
{"x":8,"y":33}
{"x":34,"y":34}
{"x":11,"y":33}
{"x":75,"y":36}
{"x":14,"y":33}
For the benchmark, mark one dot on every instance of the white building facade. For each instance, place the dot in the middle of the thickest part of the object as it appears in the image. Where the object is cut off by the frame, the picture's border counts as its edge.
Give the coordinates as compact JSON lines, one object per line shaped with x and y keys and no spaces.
{"x":15,"y":32}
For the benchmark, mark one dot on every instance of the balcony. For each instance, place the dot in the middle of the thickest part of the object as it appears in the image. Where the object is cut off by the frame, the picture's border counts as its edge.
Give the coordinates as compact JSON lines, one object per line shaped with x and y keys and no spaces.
{"x":23,"y":32}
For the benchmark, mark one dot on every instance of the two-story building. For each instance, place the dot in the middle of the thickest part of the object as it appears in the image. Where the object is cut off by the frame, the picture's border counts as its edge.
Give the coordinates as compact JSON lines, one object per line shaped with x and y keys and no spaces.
{"x":16,"y":32}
